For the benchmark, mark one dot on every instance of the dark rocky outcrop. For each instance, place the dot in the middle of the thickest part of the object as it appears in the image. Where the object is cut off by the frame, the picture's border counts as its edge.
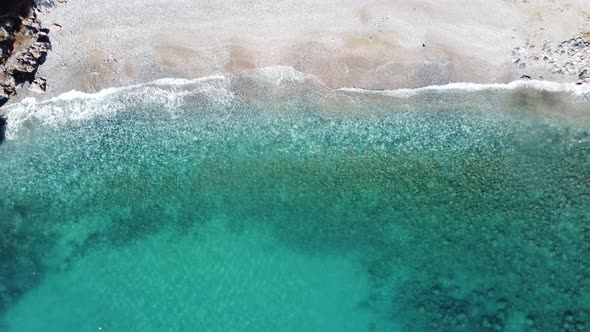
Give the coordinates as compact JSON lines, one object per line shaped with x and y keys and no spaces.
{"x":16,"y":7}
{"x":2,"y":129}
{"x":23,"y":47}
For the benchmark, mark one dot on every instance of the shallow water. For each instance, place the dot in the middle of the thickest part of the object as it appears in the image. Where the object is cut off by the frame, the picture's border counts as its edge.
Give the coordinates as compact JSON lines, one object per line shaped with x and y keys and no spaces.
{"x":273,"y":204}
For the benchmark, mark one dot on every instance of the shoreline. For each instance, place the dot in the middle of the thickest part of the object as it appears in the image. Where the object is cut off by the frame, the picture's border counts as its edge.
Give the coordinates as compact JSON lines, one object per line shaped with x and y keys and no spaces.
{"x":538,"y":85}
{"x":279,"y":84}
{"x":372,"y":45}
{"x":579,"y":90}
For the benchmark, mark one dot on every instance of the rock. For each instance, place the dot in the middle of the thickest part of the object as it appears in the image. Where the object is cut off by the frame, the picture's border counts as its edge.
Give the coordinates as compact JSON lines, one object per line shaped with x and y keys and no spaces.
{"x":39,"y":85}
{"x":42,"y":46}
{"x":4,"y":53}
{"x":569,"y":57}
{"x":4,"y":93}
{"x":55,"y":27}
{"x":32,"y":22}
{"x":7,"y":89}
{"x":7,"y":25}
{"x":6,"y":79}
{"x":20,"y":65}
{"x":25,"y":63}
{"x":584,"y":74}
{"x":4,"y":35}
{"x":2,"y":127}
{"x":525,"y":77}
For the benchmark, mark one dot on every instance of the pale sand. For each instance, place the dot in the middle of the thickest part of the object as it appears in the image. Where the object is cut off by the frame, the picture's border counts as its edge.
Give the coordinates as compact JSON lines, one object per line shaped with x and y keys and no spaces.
{"x":345,"y":43}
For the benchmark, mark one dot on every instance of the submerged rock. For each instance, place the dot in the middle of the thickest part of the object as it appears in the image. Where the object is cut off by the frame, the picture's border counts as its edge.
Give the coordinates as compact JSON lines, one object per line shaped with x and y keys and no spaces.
{"x":2,"y":126}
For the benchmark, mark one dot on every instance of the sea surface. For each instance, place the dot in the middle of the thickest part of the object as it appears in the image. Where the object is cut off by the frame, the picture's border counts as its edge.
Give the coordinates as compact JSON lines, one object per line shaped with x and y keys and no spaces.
{"x":265,"y":201}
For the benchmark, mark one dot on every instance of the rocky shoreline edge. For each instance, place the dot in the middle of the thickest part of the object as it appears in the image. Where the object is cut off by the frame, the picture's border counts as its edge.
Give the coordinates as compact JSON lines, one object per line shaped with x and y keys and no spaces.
{"x":24,"y":44}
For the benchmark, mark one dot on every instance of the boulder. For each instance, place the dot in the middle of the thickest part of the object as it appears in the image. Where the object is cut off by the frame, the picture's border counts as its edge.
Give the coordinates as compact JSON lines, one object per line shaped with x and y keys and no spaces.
{"x":55,"y":27}
{"x":7,"y":91}
{"x":25,"y":63}
{"x":39,"y":85}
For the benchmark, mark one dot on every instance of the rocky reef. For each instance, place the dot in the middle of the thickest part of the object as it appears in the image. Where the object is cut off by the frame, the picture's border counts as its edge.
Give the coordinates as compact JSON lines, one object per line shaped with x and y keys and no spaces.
{"x":24,"y":44}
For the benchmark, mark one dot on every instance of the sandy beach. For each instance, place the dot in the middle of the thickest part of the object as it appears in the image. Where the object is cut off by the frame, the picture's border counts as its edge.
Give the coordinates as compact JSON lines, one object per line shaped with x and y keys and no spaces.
{"x":345,"y":43}
{"x":311,"y":165}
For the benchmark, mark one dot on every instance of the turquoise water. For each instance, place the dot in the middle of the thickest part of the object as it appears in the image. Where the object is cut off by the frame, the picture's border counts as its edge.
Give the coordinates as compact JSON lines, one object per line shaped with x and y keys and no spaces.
{"x":251,"y":205}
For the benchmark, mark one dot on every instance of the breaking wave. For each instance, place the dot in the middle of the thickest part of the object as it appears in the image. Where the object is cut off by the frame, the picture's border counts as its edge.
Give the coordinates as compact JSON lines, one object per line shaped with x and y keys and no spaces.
{"x":258,"y":85}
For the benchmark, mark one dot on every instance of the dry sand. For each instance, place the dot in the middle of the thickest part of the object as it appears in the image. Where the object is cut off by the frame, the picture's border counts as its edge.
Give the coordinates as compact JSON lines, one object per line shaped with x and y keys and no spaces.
{"x":346,"y":43}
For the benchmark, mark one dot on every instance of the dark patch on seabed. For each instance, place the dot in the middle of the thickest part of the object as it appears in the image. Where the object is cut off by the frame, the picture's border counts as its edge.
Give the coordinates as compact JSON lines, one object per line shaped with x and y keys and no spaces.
{"x":2,"y":129}
{"x":21,"y":249}
{"x":462,"y":211}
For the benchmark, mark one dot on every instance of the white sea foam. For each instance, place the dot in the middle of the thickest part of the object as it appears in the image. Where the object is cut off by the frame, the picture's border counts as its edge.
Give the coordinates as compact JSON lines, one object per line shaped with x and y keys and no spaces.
{"x":282,"y":74}
{"x":170,"y":93}
{"x":166,"y":94}
{"x":578,"y":90}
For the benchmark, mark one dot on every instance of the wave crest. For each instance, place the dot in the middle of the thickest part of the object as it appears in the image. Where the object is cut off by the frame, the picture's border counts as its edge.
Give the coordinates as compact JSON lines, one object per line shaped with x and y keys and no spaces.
{"x":263,"y":85}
